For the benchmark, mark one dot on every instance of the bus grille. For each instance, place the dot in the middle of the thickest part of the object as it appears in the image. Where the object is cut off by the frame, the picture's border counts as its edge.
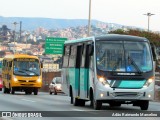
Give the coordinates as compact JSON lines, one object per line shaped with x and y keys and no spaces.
{"x":125,"y":94}
{"x":30,"y":81}
{"x":27,"y":84}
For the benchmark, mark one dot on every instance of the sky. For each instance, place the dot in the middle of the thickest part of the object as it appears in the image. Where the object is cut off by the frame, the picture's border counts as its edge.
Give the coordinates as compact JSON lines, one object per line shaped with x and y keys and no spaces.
{"x":124,"y":12}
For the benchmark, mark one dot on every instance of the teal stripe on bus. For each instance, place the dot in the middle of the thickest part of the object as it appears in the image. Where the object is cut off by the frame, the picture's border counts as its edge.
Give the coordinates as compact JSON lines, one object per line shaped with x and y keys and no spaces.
{"x":74,"y":77}
{"x":84,"y":79}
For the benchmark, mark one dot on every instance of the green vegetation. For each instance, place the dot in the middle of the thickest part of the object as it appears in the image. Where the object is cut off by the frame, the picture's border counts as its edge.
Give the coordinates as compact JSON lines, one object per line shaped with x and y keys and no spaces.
{"x":153,"y":37}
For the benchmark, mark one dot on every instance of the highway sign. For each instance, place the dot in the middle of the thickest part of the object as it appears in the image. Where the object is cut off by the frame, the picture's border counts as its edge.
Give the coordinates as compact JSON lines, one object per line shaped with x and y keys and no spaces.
{"x":54,"y":45}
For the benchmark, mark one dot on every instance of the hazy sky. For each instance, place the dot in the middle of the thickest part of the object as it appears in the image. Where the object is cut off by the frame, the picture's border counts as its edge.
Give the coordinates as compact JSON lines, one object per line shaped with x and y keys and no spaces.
{"x":125,"y":12}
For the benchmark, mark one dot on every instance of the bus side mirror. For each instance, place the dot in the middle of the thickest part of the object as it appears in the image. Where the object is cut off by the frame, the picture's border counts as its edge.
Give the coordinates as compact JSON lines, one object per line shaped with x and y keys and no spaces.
{"x":91,"y":49}
{"x":154,"y":53}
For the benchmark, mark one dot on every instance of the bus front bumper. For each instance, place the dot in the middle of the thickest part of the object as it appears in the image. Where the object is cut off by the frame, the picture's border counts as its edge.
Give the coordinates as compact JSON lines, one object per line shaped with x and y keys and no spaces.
{"x":125,"y":94}
{"x":27,"y":84}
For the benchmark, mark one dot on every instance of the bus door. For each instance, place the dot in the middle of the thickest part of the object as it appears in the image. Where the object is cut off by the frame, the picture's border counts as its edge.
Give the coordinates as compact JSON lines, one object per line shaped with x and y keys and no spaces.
{"x":8,"y":73}
{"x":84,"y":72}
{"x":78,"y":65}
{"x":74,"y":69}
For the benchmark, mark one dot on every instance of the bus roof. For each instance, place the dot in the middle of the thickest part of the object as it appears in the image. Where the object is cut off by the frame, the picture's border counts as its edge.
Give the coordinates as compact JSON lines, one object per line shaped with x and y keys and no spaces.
{"x":120,"y":37}
{"x":78,"y":40}
{"x":108,"y":37}
{"x":20,"y":56}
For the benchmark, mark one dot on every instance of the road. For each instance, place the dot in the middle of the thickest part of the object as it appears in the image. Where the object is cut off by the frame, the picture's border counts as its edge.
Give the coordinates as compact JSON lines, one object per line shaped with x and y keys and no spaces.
{"x":61,"y":103}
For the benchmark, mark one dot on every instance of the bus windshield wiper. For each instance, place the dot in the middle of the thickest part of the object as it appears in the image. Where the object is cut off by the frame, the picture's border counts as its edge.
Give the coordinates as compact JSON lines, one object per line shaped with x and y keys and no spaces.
{"x":22,"y":72}
{"x":134,"y":64}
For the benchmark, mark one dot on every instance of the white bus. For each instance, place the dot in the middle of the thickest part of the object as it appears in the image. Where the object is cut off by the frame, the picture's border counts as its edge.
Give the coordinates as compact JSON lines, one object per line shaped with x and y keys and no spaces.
{"x":113,"y":69}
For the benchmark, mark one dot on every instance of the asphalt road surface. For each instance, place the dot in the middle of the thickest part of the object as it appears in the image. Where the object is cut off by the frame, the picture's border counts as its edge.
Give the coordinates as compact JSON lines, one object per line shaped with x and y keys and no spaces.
{"x":58,"y":107}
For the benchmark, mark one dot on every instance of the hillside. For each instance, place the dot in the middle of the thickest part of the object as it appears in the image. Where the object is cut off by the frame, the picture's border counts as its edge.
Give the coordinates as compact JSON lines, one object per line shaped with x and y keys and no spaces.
{"x":29,"y":23}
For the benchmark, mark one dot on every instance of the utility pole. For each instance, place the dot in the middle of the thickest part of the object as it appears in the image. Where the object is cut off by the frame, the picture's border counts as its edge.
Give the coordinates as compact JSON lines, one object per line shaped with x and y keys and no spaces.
{"x":20,"y":31}
{"x":89,"y":19}
{"x":149,"y":15}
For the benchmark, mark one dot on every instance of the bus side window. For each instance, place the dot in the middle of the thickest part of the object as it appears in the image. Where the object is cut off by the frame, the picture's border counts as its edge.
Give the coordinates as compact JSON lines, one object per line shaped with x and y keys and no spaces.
{"x":72,"y":57}
{"x":66,"y":56}
{"x":9,"y":65}
{"x":91,"y":63}
{"x":83,"y":56}
{"x":87,"y":57}
{"x":79,"y":56}
{"x":88,"y":53}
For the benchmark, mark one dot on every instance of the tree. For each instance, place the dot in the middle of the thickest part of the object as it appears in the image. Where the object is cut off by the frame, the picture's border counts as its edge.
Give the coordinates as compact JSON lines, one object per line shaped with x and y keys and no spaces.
{"x":153,"y":37}
{"x":4,"y":32}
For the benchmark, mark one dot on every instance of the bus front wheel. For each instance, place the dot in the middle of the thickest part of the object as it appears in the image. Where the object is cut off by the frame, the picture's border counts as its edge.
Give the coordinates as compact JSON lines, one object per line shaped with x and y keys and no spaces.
{"x":144,"y":104}
{"x":36,"y":91}
{"x":12,"y":90}
{"x":5,"y":90}
{"x":97,"y":104}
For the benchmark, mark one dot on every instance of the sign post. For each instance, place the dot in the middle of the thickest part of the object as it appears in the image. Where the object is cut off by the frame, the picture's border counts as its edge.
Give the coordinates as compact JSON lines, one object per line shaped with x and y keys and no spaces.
{"x":54,"y":45}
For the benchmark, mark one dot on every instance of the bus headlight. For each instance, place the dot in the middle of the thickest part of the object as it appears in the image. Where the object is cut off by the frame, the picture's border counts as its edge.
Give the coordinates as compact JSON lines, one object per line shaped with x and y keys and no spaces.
{"x":149,"y":81}
{"x":0,"y":82}
{"x":103,"y":81}
{"x":39,"y":80}
{"x":15,"y":79}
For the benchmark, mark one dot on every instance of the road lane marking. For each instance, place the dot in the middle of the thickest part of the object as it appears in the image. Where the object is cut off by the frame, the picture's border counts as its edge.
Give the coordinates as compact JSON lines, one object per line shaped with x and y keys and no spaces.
{"x":77,"y":110}
{"x":28,"y":100}
{"x":83,"y":110}
{"x":88,"y":111}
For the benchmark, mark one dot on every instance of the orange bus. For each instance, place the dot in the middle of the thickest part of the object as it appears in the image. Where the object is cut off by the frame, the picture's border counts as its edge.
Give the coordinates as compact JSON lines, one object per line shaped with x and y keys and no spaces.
{"x":18,"y":74}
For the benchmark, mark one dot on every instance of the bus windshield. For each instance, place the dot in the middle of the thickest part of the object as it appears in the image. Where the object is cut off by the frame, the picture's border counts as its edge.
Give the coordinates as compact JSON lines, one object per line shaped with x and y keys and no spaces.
{"x":123,"y":56}
{"x":26,"y":66}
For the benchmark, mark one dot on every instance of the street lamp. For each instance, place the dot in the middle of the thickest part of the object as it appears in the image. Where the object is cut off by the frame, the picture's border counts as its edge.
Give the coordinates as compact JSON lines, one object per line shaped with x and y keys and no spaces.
{"x":89,"y":18}
{"x":149,"y":15}
{"x":15,"y":23}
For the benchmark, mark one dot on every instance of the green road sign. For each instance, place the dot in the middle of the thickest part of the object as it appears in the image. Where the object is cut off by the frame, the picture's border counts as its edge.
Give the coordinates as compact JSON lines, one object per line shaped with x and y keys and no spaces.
{"x":54,"y":45}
